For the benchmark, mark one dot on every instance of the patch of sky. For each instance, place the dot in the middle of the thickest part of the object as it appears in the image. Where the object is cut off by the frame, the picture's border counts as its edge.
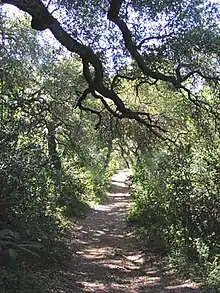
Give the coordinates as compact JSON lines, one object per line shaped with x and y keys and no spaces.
{"x":103,"y":36}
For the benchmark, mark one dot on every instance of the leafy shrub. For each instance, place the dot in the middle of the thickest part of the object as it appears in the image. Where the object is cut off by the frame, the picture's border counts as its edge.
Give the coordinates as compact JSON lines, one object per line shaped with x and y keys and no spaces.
{"x":71,"y":192}
{"x":176,"y":199}
{"x":213,"y":273}
{"x":27,"y":192}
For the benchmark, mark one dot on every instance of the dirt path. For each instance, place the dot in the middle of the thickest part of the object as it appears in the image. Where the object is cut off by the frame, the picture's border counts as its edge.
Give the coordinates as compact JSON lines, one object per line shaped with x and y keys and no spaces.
{"x":108,"y":258}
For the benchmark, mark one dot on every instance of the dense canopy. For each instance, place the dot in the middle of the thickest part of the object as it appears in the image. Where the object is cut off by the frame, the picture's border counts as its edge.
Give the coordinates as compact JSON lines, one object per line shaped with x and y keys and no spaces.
{"x":174,"y":42}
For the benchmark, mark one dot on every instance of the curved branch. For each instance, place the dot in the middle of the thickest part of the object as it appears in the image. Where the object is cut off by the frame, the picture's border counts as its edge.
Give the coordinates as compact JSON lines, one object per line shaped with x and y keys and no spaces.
{"x":134,"y":115}
{"x":138,"y":46}
{"x":192,"y":72}
{"x":176,"y":81}
{"x":113,"y":15}
{"x":184,"y":78}
{"x":81,"y":107}
{"x":42,"y":19}
{"x":117,"y":76}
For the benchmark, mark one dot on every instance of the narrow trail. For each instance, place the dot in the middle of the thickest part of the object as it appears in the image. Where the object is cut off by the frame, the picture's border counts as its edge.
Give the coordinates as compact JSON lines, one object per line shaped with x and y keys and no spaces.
{"x":108,"y":257}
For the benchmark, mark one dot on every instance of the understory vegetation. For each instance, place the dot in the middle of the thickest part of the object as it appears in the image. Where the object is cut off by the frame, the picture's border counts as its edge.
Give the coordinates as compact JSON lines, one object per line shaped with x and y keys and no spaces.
{"x":176,"y":206}
{"x":113,"y":84}
{"x":176,"y":193}
{"x":51,"y":168}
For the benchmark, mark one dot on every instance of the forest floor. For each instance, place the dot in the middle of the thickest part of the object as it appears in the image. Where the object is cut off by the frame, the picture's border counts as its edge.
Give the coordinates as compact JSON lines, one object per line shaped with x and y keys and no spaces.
{"x":108,"y":258}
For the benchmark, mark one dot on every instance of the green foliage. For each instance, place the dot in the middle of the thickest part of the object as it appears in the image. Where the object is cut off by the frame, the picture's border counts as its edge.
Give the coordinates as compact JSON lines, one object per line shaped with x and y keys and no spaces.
{"x":213,"y":273}
{"x":45,"y":147}
{"x":181,"y":187}
{"x":35,"y":195}
{"x":176,"y":200}
{"x":27,"y":191}
{"x":71,"y":190}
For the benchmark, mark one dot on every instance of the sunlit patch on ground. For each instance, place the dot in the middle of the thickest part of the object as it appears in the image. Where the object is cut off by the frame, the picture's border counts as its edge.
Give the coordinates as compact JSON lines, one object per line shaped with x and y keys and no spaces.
{"x":100,"y":287}
{"x":183,"y":286}
{"x":121,"y":177}
{"x":137,"y":258}
{"x":133,"y":286}
{"x":107,"y":255}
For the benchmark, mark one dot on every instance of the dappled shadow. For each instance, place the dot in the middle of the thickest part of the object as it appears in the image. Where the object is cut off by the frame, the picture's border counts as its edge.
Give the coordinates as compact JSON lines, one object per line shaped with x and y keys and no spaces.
{"x":107,"y":257}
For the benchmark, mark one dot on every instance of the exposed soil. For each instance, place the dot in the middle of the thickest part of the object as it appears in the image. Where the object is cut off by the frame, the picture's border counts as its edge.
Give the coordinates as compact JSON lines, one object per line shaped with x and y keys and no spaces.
{"x":108,"y":258}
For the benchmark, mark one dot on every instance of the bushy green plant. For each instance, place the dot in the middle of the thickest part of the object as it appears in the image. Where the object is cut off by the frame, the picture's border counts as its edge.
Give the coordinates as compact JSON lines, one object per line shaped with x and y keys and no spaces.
{"x":177,"y":195}
{"x":71,"y":192}
{"x":213,"y":274}
{"x":27,"y":191}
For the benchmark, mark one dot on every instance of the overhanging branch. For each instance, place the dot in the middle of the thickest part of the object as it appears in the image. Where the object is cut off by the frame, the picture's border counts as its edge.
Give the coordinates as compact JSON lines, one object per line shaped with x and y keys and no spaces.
{"x":42,"y":19}
{"x":176,"y":81}
{"x":113,"y":15}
